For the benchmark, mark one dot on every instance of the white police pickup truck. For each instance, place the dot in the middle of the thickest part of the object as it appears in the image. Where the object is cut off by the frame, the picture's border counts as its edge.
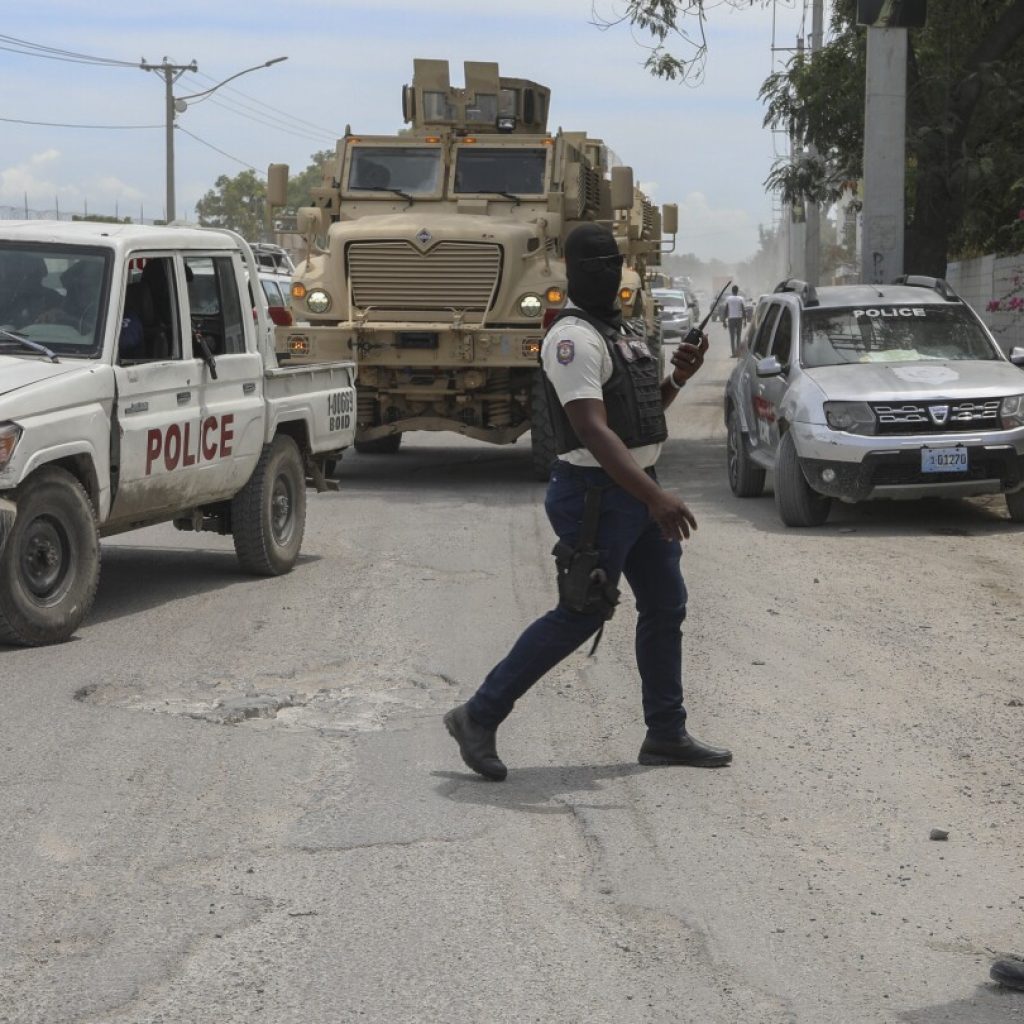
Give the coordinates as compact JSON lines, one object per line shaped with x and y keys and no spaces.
{"x":138,"y":385}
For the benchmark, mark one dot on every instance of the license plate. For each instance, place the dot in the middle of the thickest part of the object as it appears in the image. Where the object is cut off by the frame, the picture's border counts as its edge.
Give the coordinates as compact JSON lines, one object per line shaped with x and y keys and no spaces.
{"x":944,"y":460}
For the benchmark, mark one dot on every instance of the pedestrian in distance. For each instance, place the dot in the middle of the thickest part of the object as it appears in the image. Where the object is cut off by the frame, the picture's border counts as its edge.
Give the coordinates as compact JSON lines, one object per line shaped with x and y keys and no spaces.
{"x":735,"y":315}
{"x":611,"y":516}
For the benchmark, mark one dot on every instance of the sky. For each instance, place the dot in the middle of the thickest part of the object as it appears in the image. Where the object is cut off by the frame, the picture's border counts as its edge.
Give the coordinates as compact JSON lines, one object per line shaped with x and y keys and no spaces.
{"x":701,"y":146}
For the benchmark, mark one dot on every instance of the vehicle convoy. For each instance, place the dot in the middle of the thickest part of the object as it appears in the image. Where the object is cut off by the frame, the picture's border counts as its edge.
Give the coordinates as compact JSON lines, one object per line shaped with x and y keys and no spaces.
{"x":441,"y":264}
{"x":138,"y":385}
{"x":857,"y":392}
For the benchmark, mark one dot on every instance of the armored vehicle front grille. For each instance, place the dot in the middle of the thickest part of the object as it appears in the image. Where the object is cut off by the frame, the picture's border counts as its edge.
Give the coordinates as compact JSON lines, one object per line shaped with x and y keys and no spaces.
{"x":395,"y":275}
{"x":932,"y":417}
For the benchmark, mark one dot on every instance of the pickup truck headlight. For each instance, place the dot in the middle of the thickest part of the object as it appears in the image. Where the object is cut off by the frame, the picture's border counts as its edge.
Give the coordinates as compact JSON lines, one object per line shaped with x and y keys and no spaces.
{"x":850,"y":417}
{"x":10,"y":435}
{"x":1011,"y":412}
{"x":318,"y":301}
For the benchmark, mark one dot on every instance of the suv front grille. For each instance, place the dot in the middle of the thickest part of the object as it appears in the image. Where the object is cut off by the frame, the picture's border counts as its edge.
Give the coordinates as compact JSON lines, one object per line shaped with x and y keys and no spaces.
{"x":395,"y":275}
{"x":937,"y":417}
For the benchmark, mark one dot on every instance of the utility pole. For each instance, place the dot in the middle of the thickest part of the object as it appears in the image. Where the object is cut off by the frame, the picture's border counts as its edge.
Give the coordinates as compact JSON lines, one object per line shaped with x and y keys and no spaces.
{"x":170,"y":74}
{"x":796,"y":256}
{"x":812,"y":258}
{"x":885,"y":145}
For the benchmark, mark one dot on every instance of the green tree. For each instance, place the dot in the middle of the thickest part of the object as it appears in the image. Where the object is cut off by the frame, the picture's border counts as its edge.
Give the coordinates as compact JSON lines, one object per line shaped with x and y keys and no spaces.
{"x":237,"y":203}
{"x":300,"y":185}
{"x":965,"y":92}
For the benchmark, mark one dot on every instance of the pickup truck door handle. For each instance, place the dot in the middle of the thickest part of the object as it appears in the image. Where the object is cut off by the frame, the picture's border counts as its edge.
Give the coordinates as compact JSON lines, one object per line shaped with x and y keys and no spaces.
{"x":249,"y":389}
{"x":136,"y":407}
{"x":184,"y":397}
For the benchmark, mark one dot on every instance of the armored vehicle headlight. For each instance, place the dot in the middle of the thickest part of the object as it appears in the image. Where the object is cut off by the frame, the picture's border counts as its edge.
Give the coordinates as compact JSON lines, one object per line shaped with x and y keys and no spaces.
{"x":298,"y":290}
{"x":1011,"y":412}
{"x":10,"y":434}
{"x":554,"y":296}
{"x":625,"y":294}
{"x":851,"y":417}
{"x":531,"y":305}
{"x":318,"y":301}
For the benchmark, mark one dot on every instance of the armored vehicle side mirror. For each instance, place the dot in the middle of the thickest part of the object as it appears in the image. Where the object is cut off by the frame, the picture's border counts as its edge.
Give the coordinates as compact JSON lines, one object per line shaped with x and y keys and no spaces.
{"x":1017,"y":357}
{"x":277,"y":184}
{"x":312,"y":220}
{"x":622,"y":188}
{"x":769,"y":367}
{"x":670,"y":219}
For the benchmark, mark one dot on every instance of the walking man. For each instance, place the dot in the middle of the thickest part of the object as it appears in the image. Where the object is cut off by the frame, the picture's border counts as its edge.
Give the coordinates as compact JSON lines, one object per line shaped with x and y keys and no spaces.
{"x":611,"y":516}
{"x":735,"y":316}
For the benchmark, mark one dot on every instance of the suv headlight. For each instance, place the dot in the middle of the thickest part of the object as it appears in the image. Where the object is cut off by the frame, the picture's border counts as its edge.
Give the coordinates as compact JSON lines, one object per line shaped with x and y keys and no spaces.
{"x":1011,"y":412}
{"x":318,"y":301}
{"x":850,"y":417}
{"x":531,"y":305}
{"x":10,"y":435}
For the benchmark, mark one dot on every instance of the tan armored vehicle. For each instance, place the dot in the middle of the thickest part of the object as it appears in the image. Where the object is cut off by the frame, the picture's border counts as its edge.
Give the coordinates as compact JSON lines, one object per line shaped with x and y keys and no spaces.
{"x":434,"y":257}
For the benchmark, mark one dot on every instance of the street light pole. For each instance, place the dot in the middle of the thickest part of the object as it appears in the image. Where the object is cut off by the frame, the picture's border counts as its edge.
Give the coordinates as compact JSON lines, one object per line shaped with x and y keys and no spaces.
{"x":177,"y":105}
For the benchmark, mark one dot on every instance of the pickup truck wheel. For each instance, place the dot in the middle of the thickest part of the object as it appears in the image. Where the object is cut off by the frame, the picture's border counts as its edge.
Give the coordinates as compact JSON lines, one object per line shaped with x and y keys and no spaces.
{"x":796,"y":502}
{"x":50,"y":566}
{"x":542,"y":432}
{"x":745,"y":477}
{"x":1015,"y":506}
{"x":268,"y":515}
{"x":380,"y":446}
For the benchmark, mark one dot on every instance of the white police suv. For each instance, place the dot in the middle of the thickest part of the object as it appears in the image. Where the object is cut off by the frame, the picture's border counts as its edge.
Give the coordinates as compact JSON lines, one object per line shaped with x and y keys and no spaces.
{"x":862,"y":391}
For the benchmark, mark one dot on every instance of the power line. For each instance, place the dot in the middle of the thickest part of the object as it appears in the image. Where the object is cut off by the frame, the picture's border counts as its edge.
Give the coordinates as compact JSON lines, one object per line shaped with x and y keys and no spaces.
{"x":30,"y":49}
{"x":317,"y":140}
{"x":103,"y":127}
{"x":210,"y":145}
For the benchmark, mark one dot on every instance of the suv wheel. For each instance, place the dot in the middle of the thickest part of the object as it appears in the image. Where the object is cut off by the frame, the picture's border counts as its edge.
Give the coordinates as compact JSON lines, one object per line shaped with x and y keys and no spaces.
{"x":745,"y":478}
{"x":796,"y":502}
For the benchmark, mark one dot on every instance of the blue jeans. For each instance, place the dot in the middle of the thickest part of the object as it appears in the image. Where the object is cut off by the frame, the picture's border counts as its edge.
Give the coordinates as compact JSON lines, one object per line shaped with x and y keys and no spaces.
{"x":630,"y":544}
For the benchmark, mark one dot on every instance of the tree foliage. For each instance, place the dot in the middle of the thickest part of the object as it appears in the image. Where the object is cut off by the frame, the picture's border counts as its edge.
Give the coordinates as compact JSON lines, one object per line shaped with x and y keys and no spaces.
{"x":965,"y":92}
{"x":239,"y":203}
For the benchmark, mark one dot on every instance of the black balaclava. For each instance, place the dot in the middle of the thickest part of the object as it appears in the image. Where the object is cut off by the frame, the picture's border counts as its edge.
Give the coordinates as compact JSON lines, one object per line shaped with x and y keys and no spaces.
{"x":594,"y":283}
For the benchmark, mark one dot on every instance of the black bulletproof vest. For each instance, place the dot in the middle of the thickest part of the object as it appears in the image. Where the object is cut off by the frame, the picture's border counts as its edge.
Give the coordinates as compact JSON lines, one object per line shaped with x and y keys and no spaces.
{"x":632,"y":394}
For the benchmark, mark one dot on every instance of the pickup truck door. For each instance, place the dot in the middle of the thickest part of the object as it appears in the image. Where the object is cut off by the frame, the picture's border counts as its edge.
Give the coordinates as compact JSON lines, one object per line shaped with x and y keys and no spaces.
{"x":154,"y":459}
{"x":232,"y":409}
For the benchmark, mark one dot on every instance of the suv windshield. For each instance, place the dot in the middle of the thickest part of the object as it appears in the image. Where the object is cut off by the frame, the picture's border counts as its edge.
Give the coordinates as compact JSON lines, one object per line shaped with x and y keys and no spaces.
{"x":412,"y":169}
{"x":891,"y":334}
{"x":500,"y":169}
{"x":54,"y":295}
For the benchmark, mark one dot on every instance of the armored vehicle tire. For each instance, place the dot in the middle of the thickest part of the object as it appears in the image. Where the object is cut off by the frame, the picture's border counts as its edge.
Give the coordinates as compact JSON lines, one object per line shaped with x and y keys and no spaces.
{"x":380,"y":446}
{"x":50,"y":566}
{"x":745,"y":477}
{"x":268,"y":515}
{"x":796,"y":502}
{"x":1015,"y":506}
{"x":542,"y":432}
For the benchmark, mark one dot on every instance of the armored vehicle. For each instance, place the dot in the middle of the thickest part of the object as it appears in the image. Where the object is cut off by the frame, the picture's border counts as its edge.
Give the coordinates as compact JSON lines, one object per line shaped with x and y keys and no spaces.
{"x":434,"y":257}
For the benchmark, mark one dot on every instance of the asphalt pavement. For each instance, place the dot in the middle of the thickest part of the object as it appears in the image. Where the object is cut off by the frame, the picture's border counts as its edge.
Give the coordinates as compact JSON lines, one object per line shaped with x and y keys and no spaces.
{"x":233,"y":800}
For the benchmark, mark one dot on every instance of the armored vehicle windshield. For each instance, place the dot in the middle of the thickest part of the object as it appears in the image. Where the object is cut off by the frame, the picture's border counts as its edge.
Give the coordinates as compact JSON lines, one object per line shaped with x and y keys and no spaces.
{"x":410,"y":169}
{"x":500,"y":169}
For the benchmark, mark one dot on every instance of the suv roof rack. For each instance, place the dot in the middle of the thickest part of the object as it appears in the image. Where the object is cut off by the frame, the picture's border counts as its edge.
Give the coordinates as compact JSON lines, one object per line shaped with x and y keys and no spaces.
{"x":806,"y":292}
{"x":937,"y":284}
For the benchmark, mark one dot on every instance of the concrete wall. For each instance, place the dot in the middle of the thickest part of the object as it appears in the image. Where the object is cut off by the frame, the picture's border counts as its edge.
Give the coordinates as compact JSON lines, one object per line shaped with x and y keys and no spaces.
{"x":989,"y":279}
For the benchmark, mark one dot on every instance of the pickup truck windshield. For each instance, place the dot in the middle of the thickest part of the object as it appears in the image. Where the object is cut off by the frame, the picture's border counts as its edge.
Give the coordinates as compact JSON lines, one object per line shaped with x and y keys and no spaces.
{"x":401,"y":169}
{"x":891,"y":334}
{"x":500,"y":169}
{"x":54,"y":295}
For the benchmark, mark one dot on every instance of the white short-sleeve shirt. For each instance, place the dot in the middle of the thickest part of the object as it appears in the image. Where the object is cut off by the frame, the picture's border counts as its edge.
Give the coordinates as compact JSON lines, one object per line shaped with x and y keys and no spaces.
{"x":577,"y":362}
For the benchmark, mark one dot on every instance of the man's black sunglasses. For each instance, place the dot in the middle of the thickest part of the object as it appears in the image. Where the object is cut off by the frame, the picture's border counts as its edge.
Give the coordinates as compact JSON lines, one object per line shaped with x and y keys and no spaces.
{"x":592,"y":263}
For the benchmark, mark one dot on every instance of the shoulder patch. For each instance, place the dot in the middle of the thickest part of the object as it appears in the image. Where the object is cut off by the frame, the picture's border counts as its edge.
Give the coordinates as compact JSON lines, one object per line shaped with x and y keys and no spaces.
{"x":565,"y":351}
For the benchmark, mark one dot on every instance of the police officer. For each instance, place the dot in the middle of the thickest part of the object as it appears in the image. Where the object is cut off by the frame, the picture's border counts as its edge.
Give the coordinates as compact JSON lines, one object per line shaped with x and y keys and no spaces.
{"x":609,"y":512}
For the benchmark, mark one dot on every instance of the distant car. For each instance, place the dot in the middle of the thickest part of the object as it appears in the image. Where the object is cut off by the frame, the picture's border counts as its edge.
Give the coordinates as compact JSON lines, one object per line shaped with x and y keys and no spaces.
{"x":278,"y":290}
{"x":859,"y":392}
{"x":675,"y":313}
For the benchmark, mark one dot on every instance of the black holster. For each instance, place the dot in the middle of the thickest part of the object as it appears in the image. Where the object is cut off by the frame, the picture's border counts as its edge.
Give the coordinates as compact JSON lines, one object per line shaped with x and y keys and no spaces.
{"x":582,"y":584}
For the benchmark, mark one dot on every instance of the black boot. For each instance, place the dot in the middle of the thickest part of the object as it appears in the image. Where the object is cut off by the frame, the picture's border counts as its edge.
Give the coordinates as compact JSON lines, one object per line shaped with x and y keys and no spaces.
{"x":476,"y":744}
{"x":686,"y":750}
{"x":1009,"y":973}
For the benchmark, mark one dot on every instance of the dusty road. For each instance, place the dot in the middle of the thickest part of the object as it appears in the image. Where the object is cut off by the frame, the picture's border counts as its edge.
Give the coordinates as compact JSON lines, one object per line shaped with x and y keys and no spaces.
{"x":166,"y":857}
